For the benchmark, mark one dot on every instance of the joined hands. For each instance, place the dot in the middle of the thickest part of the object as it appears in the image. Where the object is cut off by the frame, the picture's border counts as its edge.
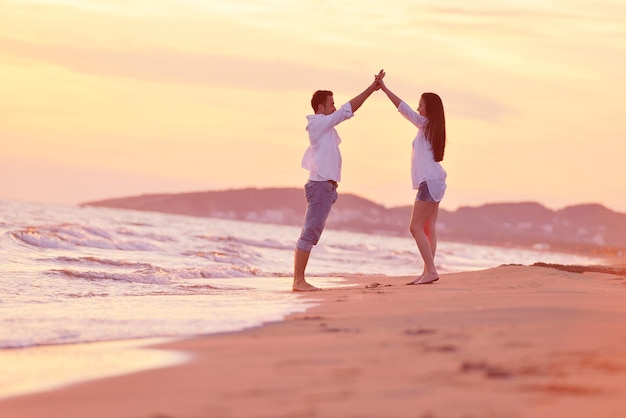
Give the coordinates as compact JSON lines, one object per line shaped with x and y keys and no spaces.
{"x":378,"y":80}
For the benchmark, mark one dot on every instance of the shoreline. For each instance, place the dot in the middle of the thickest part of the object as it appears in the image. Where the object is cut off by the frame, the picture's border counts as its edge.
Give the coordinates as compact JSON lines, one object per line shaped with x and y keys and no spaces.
{"x":36,"y":369}
{"x":511,"y":341}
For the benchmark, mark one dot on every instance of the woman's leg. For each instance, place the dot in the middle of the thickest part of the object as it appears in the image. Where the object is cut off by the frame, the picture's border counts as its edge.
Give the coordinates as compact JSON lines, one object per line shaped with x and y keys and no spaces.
{"x":422,"y":227}
{"x":431,"y":231}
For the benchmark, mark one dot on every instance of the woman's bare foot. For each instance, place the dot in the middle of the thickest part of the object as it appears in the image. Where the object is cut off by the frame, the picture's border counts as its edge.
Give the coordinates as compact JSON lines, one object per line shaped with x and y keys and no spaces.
{"x":304,"y":287}
{"x":416,"y":281}
{"x":428,"y":278}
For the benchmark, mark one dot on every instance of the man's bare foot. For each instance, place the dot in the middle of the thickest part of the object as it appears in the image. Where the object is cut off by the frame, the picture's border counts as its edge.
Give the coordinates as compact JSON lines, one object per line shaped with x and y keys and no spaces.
{"x":304,"y":287}
{"x":428,"y":278}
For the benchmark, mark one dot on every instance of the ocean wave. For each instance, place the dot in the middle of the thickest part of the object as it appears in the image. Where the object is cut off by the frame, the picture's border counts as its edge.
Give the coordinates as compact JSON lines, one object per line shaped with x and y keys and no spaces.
{"x":233,"y":242}
{"x":148,"y":276}
{"x":202,"y":289}
{"x":162,"y":276}
{"x":234,"y":258}
{"x":70,"y":236}
{"x":149,"y":235}
{"x":101,"y":261}
{"x":219,"y":272}
{"x":36,"y":238}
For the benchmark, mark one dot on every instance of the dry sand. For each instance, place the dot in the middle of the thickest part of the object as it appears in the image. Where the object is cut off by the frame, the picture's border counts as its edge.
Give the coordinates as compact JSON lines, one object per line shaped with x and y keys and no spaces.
{"x":513,"y":341}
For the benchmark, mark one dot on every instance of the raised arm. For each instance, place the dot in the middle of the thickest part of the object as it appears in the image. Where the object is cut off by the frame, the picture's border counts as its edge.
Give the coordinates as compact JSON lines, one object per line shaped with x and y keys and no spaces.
{"x":360,"y":99}
{"x":394,"y":99}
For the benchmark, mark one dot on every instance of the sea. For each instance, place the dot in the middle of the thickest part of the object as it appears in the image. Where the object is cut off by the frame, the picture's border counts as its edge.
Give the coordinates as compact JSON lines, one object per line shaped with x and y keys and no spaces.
{"x":83,"y":290}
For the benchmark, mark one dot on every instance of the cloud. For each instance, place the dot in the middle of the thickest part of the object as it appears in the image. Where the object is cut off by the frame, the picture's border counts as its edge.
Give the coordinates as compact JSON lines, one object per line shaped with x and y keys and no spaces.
{"x":166,"y":66}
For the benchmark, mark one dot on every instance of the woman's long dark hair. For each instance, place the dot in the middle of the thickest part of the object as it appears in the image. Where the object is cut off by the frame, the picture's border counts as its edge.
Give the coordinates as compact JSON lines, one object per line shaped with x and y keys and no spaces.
{"x":435,"y":129}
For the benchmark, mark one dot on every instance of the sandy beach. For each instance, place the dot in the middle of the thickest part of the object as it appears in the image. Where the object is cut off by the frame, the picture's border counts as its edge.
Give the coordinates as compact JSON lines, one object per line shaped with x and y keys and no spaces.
{"x":512,"y":341}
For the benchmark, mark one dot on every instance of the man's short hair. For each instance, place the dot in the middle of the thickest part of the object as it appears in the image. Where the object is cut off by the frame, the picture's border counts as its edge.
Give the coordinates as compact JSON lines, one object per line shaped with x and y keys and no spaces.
{"x":319,"y":98}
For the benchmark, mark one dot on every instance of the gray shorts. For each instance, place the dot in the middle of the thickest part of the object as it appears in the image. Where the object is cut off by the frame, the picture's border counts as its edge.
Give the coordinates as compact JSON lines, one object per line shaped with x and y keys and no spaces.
{"x":320,"y":196}
{"x":423,"y":194}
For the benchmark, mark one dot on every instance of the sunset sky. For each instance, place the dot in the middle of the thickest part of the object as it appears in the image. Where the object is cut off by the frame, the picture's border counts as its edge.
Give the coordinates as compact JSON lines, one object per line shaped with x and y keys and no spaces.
{"x":111,"y":98}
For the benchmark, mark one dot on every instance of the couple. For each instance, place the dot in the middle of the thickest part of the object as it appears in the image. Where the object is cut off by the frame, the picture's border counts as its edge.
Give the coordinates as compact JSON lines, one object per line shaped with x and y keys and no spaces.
{"x":323,"y":160}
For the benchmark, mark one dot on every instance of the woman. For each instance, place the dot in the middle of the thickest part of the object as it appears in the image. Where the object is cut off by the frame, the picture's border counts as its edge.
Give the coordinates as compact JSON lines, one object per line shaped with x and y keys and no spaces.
{"x":429,"y":177}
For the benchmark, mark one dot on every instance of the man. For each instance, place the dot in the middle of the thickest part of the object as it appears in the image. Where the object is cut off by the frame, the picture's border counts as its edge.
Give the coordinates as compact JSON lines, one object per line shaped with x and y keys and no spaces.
{"x":323,"y":161}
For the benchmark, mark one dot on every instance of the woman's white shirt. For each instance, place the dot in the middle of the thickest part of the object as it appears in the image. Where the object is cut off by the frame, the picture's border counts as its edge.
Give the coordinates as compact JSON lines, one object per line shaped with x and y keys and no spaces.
{"x":423,"y":164}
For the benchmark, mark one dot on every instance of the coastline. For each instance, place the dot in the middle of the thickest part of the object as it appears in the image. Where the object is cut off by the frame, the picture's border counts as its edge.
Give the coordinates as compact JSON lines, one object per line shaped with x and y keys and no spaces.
{"x":31,"y":370}
{"x":511,"y":341}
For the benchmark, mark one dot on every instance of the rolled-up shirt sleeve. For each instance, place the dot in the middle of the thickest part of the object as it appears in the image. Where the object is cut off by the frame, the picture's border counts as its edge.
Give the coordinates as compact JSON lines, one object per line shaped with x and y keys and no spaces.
{"x":329,"y":121}
{"x":411,"y":115}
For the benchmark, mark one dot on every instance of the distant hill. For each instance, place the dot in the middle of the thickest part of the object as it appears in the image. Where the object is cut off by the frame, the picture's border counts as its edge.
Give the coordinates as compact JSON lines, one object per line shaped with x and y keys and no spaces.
{"x":590,"y":229}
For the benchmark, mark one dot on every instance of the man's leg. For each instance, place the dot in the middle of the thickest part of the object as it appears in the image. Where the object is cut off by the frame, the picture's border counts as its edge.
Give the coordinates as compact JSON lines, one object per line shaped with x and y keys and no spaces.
{"x":320,"y":196}
{"x":301,"y":258}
